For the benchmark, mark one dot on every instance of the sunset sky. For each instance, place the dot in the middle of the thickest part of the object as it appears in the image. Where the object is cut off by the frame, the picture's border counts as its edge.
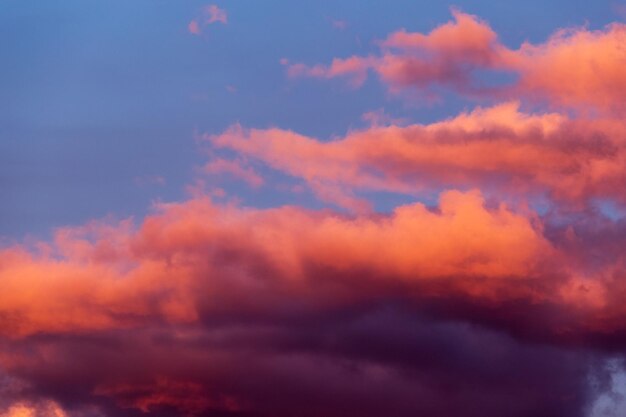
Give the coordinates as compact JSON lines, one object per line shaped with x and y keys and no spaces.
{"x":312,"y":208}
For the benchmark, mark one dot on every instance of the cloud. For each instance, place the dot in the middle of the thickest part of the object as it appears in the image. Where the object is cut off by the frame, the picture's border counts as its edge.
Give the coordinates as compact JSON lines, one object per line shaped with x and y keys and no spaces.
{"x":503,"y":297}
{"x":192,"y":310}
{"x":197,"y":259}
{"x":447,"y":56}
{"x":194,"y":27}
{"x":208,"y":15}
{"x":597,"y":81}
{"x":378,"y":117}
{"x":188,"y":398}
{"x":610,"y":399}
{"x":467,"y":35}
{"x":498,"y":148}
{"x":453,"y":57}
{"x":107,"y":276}
{"x":235,"y":168}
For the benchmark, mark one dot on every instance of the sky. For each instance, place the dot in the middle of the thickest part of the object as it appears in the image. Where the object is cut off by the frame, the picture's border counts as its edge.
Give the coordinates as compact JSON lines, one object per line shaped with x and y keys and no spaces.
{"x":312,"y":208}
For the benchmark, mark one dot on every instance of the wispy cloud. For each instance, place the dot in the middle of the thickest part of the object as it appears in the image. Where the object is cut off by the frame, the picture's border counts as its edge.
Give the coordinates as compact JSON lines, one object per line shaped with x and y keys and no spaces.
{"x":208,"y":15}
{"x":453,"y":54}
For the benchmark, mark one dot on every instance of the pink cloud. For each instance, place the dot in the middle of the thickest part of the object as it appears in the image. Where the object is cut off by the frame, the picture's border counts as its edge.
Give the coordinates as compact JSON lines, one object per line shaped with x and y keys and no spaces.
{"x":194,"y":27}
{"x":467,"y":38}
{"x":234,"y":168}
{"x":208,"y":15}
{"x":596,"y":79}
{"x":354,"y":68}
{"x":215,"y":14}
{"x":194,"y":260}
{"x":444,"y":56}
{"x":107,"y":277}
{"x":452,"y":54}
{"x":474,"y":303}
{"x":499,"y":147}
{"x":194,"y":308}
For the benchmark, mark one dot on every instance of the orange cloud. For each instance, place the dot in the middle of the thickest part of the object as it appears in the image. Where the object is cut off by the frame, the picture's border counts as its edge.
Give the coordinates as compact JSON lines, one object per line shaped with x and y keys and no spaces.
{"x":467,"y":35}
{"x":90,"y":282}
{"x":498,"y":147}
{"x":196,"y":258}
{"x":40,"y":409}
{"x":234,"y":168}
{"x":354,"y":68}
{"x":445,"y":56}
{"x":574,"y":68}
{"x":215,"y":14}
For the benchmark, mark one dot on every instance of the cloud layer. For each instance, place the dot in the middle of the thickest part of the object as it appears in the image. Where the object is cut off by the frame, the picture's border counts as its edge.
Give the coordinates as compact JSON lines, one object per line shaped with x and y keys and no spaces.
{"x":503,"y":297}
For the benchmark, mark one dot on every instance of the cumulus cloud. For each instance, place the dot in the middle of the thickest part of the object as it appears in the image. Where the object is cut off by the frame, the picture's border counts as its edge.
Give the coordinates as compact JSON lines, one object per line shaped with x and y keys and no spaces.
{"x":105,"y":277}
{"x":197,"y":259}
